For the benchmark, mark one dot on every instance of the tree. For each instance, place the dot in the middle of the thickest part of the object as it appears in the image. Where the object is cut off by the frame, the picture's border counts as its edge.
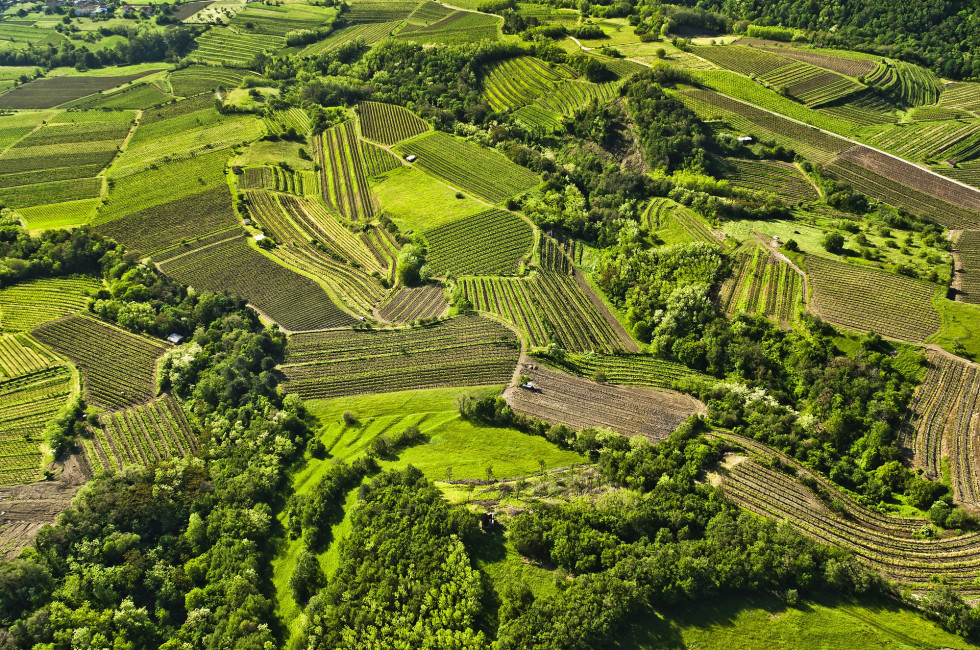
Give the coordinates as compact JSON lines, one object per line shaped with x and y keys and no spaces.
{"x":308,"y":577}
{"x":834,"y":242}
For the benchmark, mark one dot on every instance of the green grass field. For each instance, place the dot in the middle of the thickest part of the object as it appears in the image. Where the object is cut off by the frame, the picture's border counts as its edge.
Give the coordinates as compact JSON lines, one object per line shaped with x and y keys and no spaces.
{"x":417,"y":201}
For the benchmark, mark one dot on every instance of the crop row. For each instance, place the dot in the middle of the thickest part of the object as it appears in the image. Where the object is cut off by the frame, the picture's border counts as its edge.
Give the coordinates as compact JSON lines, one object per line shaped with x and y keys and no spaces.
{"x":25,"y":305}
{"x":513,"y":83}
{"x":485,"y":173}
{"x":326,"y":232}
{"x":388,"y":123}
{"x":902,"y":190}
{"x":748,"y":61}
{"x":961,"y":95}
{"x":409,"y":305}
{"x":811,"y":85}
{"x":370,"y":33}
{"x":567,"y":310}
{"x":782,"y":179}
{"x":458,"y":27}
{"x":380,"y":12}
{"x":378,"y":161}
{"x":342,"y":175}
{"x":908,"y":84}
{"x":142,"y":435}
{"x":552,"y":257}
{"x":460,"y":352}
{"x":221,"y":45}
{"x":866,"y":299}
{"x":968,"y":252}
{"x":20,"y":354}
{"x":492,"y":242}
{"x":52,"y":91}
{"x":195,"y":80}
{"x":862,"y":108}
{"x":26,"y":404}
{"x":273,"y":178}
{"x":948,"y":140}
{"x":298,"y":248}
{"x":760,"y":284}
{"x":280,"y":122}
{"x":290,"y":299}
{"x":111,"y":381}
{"x":510,"y":300}
{"x":844,"y":64}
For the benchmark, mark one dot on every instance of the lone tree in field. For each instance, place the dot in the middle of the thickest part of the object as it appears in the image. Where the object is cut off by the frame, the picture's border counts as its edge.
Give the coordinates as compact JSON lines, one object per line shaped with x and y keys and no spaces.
{"x":834,"y":242}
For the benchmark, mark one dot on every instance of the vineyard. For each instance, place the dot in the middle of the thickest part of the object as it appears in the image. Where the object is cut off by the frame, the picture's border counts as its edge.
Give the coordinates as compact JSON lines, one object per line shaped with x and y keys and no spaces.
{"x":411,"y":304}
{"x":222,"y":46}
{"x":558,"y":398}
{"x":908,"y":186}
{"x":484,"y":173}
{"x":25,"y":305}
{"x":119,"y":379}
{"x":280,"y":122}
{"x":845,"y":65}
{"x":811,"y":85}
{"x":888,"y":544}
{"x":553,"y":257}
{"x":782,"y":179}
{"x":137,"y":96}
{"x":20,"y":355}
{"x":762,"y":285}
{"x":140,"y":436}
{"x":27,"y":402}
{"x":463,"y":351}
{"x":665,"y":213}
{"x":634,"y":370}
{"x":968,"y":253}
{"x":389,"y":124}
{"x":378,"y":161}
{"x":963,"y":96}
{"x":865,"y":299}
{"x":197,"y":79}
{"x":742,"y":59}
{"x":381,"y":12}
{"x":954,"y":140}
{"x":906,"y":83}
{"x":290,"y":299}
{"x":550,"y":307}
{"x":370,"y":33}
{"x":492,"y":242}
{"x":276,"y":178}
{"x":516,"y":82}
{"x":942,"y":423}
{"x":343,"y":178}
{"x":458,"y":27}
{"x":311,"y":240}
{"x":279,"y":20}
{"x":54,"y":91}
{"x":567,"y":97}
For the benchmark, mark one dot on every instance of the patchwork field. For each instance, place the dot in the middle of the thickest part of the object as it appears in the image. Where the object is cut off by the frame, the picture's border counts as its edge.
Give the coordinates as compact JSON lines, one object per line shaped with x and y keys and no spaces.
{"x":410,"y":304}
{"x":343,"y":176}
{"x":487,"y":243}
{"x":760,"y":284}
{"x":25,"y":305}
{"x":389,"y":124}
{"x":54,"y":91}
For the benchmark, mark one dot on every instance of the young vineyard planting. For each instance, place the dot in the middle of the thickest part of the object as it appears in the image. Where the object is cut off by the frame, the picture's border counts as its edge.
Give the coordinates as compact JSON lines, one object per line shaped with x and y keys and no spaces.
{"x":20,"y":354}
{"x":111,"y":380}
{"x":492,"y":242}
{"x":378,"y":161}
{"x":140,"y":436}
{"x":510,"y":300}
{"x":782,"y":179}
{"x":943,"y":421}
{"x":343,"y":178}
{"x":634,"y":370}
{"x":27,"y":402}
{"x":290,"y":299}
{"x":389,"y":124}
{"x":516,"y":82}
{"x":304,"y":240}
{"x":463,"y":351}
{"x":25,"y":305}
{"x":484,"y":173}
{"x":865,"y":299}
{"x":411,"y":304}
{"x":888,"y":544}
{"x":760,"y":284}
{"x":558,"y":398}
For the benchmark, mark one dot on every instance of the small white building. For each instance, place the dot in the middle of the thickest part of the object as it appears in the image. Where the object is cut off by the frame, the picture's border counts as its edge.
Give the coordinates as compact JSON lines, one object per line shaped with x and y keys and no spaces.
{"x":411,"y":157}
{"x":175,"y":338}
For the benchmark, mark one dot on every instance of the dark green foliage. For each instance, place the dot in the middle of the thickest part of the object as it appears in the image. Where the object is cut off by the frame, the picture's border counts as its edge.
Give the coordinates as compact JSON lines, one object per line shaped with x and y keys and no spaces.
{"x":308,"y":577}
{"x":834,"y":242}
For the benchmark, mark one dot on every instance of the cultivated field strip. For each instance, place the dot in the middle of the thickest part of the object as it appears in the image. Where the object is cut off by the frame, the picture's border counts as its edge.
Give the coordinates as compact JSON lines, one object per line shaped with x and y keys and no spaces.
{"x":569,"y":95}
{"x":967,"y":250}
{"x":290,"y":299}
{"x":891,"y":548}
{"x":633,"y":370}
{"x":552,"y":257}
{"x":559,"y":398}
{"x":25,"y":305}
{"x":305,"y":240}
{"x":389,"y":124}
{"x":510,"y":300}
{"x":868,"y":299}
{"x":760,"y":284}
{"x":463,"y":351}
{"x":918,"y":179}
{"x":221,"y":45}
{"x":378,"y":161}
{"x":410,"y":304}
{"x":961,"y":96}
{"x":516,"y":82}
{"x":952,"y":140}
{"x":20,"y":354}
{"x":845,"y":65}
{"x":197,"y":79}
{"x":117,"y":367}
{"x":943,"y":420}
{"x":782,"y":179}
{"x":370,"y":33}
{"x":140,"y":436}
{"x":27,"y":403}
{"x":53,"y":91}
{"x":482,"y":172}
{"x":492,"y":242}
{"x":458,"y":27}
{"x":343,"y":177}
{"x":276,"y":178}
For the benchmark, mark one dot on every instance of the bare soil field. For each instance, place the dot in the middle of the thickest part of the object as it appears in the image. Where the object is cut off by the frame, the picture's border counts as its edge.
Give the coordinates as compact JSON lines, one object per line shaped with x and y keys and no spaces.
{"x":580,"y":403}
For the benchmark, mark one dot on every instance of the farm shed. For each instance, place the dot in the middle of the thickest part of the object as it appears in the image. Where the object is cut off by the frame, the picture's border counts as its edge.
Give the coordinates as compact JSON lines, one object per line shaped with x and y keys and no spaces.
{"x":745,"y":139}
{"x":411,"y":157}
{"x":175,"y":338}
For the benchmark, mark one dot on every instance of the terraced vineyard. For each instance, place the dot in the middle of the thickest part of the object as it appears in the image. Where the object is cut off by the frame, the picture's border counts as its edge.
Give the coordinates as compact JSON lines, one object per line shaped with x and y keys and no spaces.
{"x":907,"y":186}
{"x":782,"y":179}
{"x":559,"y":398}
{"x":516,"y":82}
{"x":865,"y":299}
{"x":760,"y":284}
{"x":370,"y":33}
{"x":389,"y":124}
{"x":410,"y":304}
{"x":25,"y":305}
{"x":463,"y":351}
{"x":27,"y":402}
{"x":221,"y":45}
{"x":343,"y":177}
{"x":292,"y":300}
{"x":888,"y":544}
{"x":114,"y":380}
{"x":908,"y":84}
{"x":953,"y":140}
{"x":811,"y":85}
{"x":197,"y":79}
{"x":968,"y":252}
{"x":140,"y":436}
{"x":311,"y":240}
{"x":634,"y":370}
{"x":485,"y":173}
{"x":458,"y":27}
{"x":942,"y":422}
{"x":568,"y":96}
{"x":492,"y":242}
